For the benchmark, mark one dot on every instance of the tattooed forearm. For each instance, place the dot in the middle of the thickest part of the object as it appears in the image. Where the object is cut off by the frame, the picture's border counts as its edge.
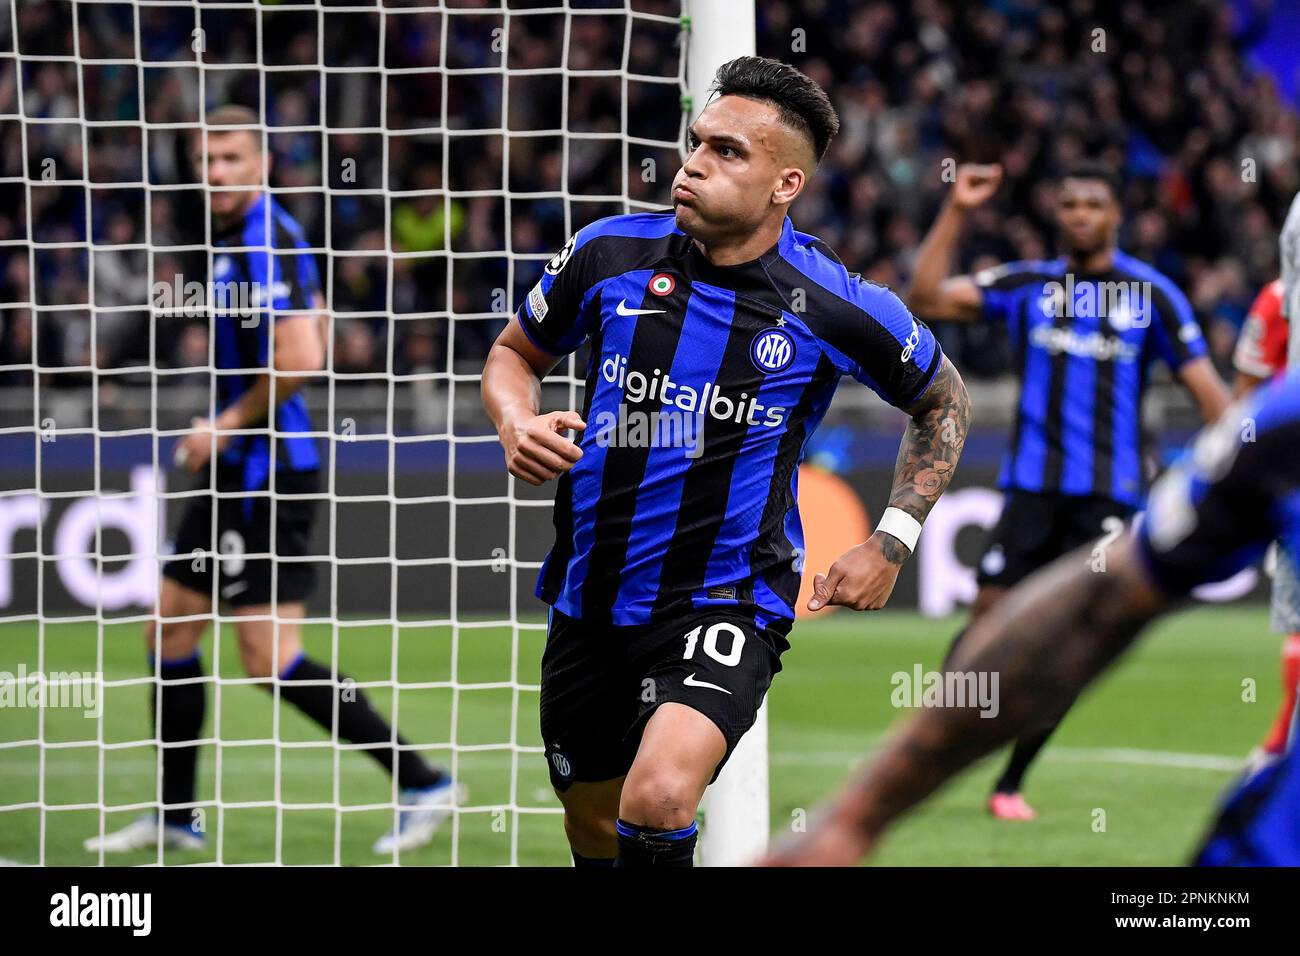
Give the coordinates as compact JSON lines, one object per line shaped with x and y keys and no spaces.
{"x":895,"y":551}
{"x":1044,"y":643}
{"x":931,"y":446}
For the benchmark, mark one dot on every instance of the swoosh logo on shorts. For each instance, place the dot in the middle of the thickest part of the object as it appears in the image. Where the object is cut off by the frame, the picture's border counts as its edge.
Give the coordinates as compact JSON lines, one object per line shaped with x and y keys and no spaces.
{"x":692,"y":682}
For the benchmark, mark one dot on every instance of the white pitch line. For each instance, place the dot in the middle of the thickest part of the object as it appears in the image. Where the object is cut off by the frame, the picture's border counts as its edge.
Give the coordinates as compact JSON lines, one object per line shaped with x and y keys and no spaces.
{"x":1149,"y":758}
{"x":1219,"y":763}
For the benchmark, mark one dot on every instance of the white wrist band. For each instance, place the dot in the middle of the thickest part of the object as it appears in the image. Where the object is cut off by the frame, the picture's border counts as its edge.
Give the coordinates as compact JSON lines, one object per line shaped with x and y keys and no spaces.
{"x":901,"y":525}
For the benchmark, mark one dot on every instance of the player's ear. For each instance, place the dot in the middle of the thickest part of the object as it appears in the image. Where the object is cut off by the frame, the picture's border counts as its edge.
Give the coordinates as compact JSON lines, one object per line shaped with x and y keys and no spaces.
{"x":790,"y":185}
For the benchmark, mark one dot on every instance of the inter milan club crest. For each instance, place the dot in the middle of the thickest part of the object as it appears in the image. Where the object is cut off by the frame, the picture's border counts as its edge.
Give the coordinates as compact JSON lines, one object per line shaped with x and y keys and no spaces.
{"x":772,"y":350}
{"x":662,"y":284}
{"x":563,"y":768}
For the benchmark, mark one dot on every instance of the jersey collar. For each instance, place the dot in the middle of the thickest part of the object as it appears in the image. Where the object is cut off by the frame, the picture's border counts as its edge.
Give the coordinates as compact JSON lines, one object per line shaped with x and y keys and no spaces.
{"x":745,"y":277}
{"x":253,"y":213}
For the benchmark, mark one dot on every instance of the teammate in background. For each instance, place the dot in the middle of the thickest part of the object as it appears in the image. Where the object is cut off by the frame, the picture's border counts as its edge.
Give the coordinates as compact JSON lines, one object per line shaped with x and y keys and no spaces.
{"x":1086,"y":326}
{"x":676,"y":564}
{"x":1210,"y":516}
{"x":260,"y":271}
{"x":1261,"y":355}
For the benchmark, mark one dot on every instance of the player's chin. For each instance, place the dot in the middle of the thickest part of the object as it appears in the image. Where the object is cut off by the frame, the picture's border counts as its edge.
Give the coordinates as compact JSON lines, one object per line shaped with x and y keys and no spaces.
{"x":688,"y":217}
{"x":1083,"y":245}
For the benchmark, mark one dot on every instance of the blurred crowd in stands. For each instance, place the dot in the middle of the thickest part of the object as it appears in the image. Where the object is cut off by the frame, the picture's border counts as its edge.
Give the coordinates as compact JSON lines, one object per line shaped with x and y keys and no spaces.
{"x":422,"y":163}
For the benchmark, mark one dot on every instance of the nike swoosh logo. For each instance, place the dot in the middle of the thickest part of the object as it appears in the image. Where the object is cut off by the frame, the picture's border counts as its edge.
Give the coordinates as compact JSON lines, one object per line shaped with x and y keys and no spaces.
{"x":230,"y":590}
{"x":624,"y":310}
{"x":692,"y":682}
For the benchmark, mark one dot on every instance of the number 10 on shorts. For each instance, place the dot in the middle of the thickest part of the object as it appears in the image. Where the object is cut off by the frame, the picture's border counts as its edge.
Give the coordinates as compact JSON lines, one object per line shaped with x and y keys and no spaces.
{"x":731,"y":658}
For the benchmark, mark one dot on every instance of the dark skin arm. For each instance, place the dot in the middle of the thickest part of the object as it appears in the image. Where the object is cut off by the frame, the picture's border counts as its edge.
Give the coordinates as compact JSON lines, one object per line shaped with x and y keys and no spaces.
{"x":864,"y":577}
{"x":1045,"y":642}
{"x":933,"y":294}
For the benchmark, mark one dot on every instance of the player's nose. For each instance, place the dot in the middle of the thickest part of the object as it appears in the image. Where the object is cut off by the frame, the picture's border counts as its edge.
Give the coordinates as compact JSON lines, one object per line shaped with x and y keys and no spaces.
{"x":693,"y":168}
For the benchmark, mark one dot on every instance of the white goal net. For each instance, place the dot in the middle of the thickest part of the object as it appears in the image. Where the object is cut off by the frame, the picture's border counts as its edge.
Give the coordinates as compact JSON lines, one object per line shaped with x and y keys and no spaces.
{"x":435,"y":156}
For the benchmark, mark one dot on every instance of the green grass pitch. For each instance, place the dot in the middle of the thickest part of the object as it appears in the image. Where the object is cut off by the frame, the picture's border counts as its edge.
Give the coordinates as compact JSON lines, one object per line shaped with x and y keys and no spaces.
{"x":1151,"y":746}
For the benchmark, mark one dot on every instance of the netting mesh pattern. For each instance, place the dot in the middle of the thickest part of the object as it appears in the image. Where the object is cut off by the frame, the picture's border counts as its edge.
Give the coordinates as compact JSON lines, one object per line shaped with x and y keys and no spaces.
{"x":435,"y":156}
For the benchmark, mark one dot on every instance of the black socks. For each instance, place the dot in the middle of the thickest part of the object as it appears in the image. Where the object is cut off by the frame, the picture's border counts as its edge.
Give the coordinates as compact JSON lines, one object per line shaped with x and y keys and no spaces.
{"x":1022,"y":756}
{"x":178,"y":714}
{"x":646,"y":846}
{"x":179,"y":709}
{"x":359,"y":722}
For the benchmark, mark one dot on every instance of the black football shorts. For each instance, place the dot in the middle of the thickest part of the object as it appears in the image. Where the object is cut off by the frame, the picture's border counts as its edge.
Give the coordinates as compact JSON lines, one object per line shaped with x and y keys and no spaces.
{"x":601,"y":683}
{"x":1037,"y":528}
{"x":243,"y":527}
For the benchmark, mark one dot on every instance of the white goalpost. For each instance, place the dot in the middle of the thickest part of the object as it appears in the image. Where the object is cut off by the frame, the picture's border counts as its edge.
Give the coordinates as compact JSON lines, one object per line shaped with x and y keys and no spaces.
{"x":735,"y":814}
{"x":436,"y":155}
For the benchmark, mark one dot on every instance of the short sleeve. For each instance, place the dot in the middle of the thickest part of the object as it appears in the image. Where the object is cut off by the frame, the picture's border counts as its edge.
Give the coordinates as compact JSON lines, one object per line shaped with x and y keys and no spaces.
{"x":1000,"y":289}
{"x":287,"y":280}
{"x":1176,"y":335}
{"x":552,"y":314}
{"x":890,"y":350}
{"x":297,"y":283}
{"x":308,"y":275}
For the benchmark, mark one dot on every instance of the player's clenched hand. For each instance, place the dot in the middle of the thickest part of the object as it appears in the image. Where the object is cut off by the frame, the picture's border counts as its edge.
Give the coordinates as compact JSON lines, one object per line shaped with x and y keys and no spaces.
{"x":194,"y":450}
{"x":861,"y":578}
{"x":976,"y":182}
{"x":536,"y":451}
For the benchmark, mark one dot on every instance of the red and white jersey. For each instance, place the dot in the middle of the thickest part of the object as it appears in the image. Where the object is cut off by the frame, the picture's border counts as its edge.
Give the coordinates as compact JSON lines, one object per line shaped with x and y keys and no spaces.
{"x":1261,"y":349}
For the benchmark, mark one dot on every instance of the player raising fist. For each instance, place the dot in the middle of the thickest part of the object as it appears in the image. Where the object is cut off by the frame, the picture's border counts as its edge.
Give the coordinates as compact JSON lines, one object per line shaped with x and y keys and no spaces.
{"x":1086,"y":327}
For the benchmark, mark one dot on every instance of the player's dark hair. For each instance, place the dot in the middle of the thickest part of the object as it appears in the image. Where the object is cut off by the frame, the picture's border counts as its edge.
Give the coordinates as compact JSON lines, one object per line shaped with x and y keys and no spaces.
{"x":799,"y":100}
{"x":1094,"y":171}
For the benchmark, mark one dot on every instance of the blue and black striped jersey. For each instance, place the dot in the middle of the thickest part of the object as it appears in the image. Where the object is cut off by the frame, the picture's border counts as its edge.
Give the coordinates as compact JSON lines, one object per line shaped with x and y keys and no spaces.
{"x":260,"y":280}
{"x":1084,"y":347}
{"x":733,"y":367}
